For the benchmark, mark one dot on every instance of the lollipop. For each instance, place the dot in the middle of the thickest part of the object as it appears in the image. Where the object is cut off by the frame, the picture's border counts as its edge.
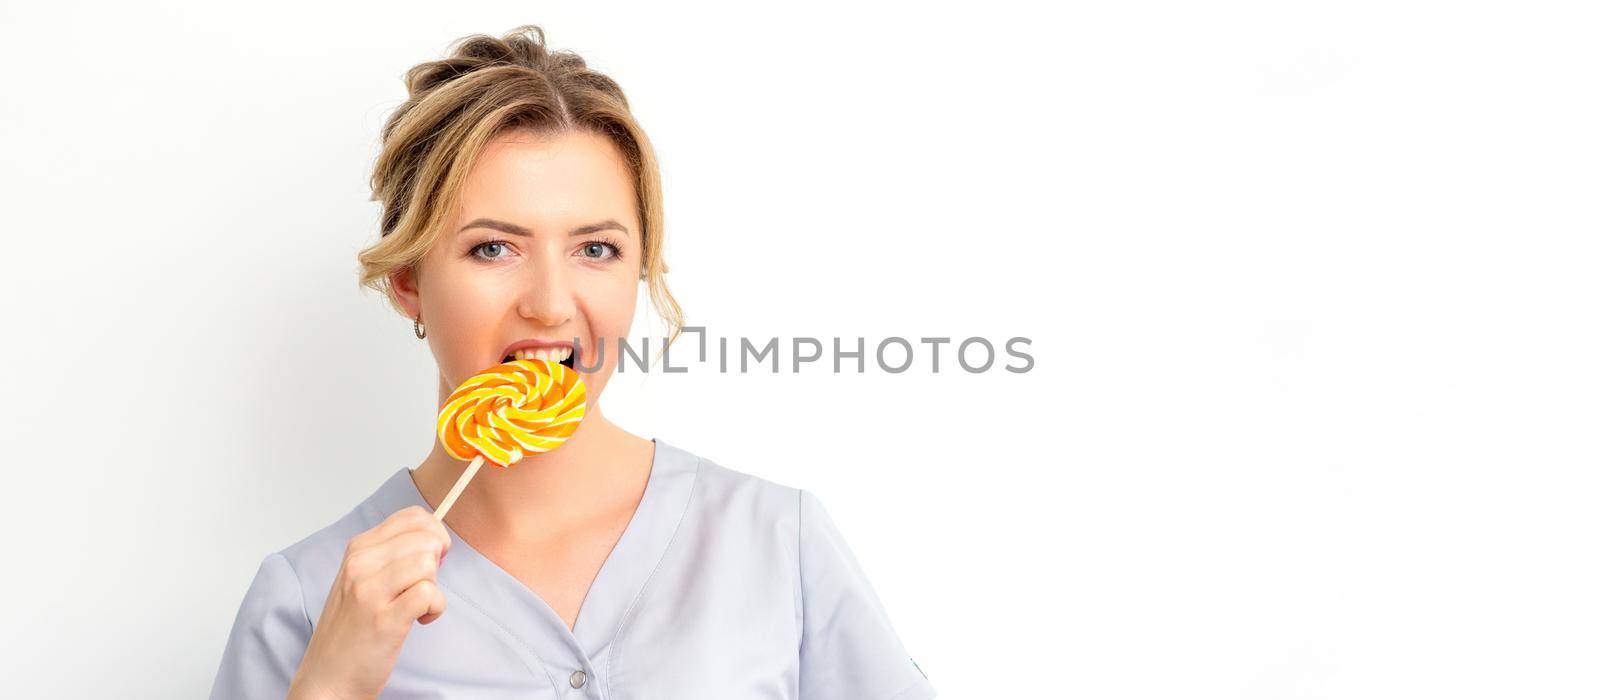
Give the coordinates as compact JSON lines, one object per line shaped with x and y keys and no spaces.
{"x":508,"y":411}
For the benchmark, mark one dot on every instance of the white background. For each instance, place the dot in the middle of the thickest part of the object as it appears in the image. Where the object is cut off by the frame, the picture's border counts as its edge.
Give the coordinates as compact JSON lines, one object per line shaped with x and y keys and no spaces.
{"x":1310,"y":287}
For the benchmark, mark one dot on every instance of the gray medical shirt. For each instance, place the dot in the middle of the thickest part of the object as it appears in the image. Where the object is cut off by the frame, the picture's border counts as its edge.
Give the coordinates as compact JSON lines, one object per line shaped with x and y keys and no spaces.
{"x":723,"y":585}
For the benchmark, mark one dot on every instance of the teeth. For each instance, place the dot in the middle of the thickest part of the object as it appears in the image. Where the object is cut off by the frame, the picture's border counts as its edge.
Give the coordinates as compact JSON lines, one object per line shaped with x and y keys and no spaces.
{"x":546,"y":354}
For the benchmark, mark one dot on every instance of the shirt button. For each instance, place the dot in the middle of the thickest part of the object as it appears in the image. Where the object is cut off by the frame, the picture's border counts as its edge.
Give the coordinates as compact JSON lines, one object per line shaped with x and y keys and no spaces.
{"x":577,"y":678}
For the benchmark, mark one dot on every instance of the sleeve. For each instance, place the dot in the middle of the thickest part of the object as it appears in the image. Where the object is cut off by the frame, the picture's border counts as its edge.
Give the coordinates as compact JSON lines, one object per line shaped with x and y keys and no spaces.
{"x":848,"y":648}
{"x":269,"y":636}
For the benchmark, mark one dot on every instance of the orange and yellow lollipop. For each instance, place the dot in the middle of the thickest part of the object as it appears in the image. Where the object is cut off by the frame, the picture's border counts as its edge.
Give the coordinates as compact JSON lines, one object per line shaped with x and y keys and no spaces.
{"x":508,"y":411}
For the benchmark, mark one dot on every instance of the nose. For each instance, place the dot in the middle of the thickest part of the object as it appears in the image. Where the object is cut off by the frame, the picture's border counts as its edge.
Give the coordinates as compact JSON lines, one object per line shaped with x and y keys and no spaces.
{"x":547,"y":297}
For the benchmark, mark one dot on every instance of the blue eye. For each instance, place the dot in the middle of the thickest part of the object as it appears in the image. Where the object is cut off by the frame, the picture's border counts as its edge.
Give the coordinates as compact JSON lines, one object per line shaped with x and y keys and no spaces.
{"x":596,"y":250}
{"x":601,"y":250}
{"x":481,"y":246}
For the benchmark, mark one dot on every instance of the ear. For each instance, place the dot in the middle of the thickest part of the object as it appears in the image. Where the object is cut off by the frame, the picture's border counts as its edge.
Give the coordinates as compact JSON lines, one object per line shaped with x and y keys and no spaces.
{"x":403,"y":284}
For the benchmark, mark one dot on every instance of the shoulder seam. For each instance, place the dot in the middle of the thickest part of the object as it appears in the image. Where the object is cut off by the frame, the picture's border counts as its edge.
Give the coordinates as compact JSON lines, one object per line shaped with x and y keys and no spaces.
{"x":299,"y":585}
{"x":800,"y":559}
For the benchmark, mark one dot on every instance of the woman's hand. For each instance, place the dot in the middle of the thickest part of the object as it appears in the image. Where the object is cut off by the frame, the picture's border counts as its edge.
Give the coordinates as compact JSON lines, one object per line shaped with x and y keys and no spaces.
{"x":389,"y":578}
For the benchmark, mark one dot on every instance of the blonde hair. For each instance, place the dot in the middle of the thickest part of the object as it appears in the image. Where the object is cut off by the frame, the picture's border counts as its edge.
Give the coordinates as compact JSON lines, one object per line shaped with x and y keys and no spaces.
{"x":457,"y":105}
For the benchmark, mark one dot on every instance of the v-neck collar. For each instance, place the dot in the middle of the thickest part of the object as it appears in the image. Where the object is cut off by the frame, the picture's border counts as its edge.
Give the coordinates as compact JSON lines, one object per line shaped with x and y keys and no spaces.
{"x":509,"y":603}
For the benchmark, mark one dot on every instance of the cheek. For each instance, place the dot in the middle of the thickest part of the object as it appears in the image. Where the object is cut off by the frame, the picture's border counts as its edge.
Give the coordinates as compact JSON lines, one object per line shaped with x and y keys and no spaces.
{"x":465,"y":309}
{"x":468,"y":301}
{"x":610,"y":307}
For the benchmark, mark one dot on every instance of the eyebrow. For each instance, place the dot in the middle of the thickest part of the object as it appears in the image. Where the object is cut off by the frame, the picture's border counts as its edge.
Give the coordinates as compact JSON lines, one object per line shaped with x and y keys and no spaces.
{"x":515,"y":230}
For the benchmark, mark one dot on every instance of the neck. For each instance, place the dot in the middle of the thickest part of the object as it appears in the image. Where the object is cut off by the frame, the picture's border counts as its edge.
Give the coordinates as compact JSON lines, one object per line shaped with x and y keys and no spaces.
{"x":599,"y":465}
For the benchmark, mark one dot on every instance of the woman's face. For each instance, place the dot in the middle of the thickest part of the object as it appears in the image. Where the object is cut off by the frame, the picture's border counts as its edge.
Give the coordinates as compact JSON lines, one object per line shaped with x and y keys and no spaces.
{"x":545,"y":244}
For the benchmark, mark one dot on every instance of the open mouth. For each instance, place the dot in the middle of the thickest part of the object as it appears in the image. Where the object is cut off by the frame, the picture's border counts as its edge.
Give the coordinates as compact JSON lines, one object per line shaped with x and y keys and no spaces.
{"x":568,"y":362}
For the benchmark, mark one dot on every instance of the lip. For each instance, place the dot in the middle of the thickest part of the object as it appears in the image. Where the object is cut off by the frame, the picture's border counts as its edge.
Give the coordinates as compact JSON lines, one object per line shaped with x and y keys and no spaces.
{"x":535,"y":344}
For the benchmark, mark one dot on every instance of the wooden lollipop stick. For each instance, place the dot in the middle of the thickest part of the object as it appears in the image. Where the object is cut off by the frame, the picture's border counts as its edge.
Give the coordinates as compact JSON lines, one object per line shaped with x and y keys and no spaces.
{"x":461,"y":485}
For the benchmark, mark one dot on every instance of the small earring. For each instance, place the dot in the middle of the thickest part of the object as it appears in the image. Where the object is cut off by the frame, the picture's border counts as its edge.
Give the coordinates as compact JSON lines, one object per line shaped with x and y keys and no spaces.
{"x":416,"y":328}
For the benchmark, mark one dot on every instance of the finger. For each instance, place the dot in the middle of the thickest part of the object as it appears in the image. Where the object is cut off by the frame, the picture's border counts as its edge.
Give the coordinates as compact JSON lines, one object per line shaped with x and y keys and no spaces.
{"x":422,"y":600}
{"x":405,"y":570}
{"x":426,"y":524}
{"x":412,"y":541}
{"x":370,"y":561}
{"x":435,"y":606}
{"x":408,"y":518}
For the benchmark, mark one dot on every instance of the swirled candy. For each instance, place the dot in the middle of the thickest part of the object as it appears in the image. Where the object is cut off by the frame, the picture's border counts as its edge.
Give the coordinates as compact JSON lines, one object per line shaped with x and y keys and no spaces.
{"x":512,"y":409}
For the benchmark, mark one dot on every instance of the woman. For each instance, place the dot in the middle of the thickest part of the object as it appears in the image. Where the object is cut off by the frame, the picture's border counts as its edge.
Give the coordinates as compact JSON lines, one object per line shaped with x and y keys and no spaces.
{"x":521,"y":210}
